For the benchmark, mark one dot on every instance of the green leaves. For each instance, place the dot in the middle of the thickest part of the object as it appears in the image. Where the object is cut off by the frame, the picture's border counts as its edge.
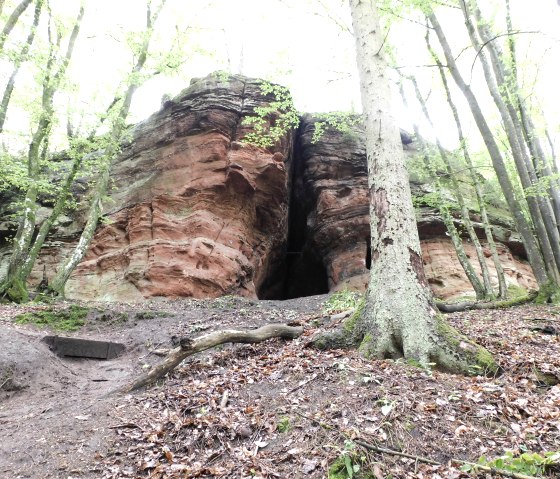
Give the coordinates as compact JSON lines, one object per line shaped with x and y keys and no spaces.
{"x":272,"y":121}
{"x":340,"y":121}
{"x":530,"y":463}
{"x":342,"y":301}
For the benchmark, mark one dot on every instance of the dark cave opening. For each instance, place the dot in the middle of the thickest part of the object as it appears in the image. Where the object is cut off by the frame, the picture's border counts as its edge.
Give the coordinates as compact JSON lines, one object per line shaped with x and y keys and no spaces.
{"x":301,"y":271}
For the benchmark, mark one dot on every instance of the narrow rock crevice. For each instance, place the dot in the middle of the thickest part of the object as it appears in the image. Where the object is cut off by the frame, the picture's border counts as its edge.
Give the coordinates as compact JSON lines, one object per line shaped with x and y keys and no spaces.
{"x":302,"y":272}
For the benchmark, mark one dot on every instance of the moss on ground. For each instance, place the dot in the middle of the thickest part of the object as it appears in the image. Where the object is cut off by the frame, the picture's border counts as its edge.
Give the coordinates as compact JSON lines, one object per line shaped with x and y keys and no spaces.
{"x":69,"y":319}
{"x":549,"y":293}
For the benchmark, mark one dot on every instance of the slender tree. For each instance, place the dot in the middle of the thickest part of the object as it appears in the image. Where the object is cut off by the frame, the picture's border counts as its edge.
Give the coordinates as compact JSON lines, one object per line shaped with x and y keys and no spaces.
{"x":398,"y":317}
{"x":117,"y":129}
{"x":13,"y":285}
{"x":539,"y":207}
{"x":12,"y":21}
{"x":502,"y":286}
{"x":20,"y":59}
{"x":482,"y":290}
{"x":513,"y":202}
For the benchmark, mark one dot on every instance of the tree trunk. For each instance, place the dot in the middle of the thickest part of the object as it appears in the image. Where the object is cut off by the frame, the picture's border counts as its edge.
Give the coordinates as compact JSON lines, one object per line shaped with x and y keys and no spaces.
{"x":398,"y":317}
{"x":539,"y":207}
{"x":483,"y":291}
{"x":12,"y":20}
{"x":63,"y":274}
{"x":443,"y":208}
{"x":47,"y":224}
{"x":522,"y":226}
{"x":22,"y":57}
{"x":502,"y":286}
{"x":14,"y":284}
{"x":509,"y":82}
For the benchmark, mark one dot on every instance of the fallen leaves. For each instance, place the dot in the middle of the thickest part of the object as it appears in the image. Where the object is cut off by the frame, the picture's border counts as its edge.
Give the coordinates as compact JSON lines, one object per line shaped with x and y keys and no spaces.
{"x":185,"y":428}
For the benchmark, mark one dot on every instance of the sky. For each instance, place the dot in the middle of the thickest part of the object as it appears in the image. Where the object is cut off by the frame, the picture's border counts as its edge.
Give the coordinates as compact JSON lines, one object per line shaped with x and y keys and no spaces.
{"x":305,"y":45}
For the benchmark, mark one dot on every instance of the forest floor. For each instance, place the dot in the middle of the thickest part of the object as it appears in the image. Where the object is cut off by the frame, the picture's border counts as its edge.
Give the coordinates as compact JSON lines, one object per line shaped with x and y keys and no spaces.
{"x":275,"y":410}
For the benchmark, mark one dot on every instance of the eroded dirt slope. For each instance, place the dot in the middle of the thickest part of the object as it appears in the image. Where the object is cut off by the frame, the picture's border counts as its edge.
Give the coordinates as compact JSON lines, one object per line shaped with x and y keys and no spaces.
{"x":278,"y":409}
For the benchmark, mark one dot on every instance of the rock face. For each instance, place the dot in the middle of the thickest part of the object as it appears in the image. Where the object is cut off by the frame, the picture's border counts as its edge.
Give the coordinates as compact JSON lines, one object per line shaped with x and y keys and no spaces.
{"x":195,"y":212}
{"x":330,"y":222}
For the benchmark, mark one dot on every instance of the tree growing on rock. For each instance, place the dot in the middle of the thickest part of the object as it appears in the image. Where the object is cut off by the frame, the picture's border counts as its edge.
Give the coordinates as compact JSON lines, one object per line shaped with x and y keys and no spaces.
{"x":398,"y":317}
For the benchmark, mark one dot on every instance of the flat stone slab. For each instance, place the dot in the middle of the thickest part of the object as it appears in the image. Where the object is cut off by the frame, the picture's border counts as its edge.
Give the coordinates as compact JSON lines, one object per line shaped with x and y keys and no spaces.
{"x":83,"y":348}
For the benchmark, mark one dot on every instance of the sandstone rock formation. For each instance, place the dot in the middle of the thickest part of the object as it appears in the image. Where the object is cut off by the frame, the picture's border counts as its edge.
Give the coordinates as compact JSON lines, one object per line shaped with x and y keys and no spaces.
{"x":331,"y":223}
{"x":196,"y":212}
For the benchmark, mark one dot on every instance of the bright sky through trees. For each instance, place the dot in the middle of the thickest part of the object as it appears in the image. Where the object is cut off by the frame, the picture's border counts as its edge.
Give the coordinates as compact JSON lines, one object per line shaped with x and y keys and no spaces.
{"x":301,"y":44}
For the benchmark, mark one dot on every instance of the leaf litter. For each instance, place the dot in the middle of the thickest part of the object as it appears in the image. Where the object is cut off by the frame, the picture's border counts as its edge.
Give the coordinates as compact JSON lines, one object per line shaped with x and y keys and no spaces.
{"x":283,"y":410}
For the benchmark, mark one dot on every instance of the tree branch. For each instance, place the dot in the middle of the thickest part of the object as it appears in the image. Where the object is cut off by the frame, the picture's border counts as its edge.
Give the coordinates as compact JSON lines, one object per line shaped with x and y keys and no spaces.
{"x":465,"y":306}
{"x":189,"y":347}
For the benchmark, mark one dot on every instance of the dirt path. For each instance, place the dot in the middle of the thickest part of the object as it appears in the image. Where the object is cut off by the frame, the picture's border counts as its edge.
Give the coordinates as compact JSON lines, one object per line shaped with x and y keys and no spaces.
{"x":56,"y":416}
{"x":277,"y":409}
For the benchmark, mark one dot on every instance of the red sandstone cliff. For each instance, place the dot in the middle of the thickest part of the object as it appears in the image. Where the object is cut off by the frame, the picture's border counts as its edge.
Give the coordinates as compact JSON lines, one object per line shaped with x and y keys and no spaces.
{"x":195,"y":212}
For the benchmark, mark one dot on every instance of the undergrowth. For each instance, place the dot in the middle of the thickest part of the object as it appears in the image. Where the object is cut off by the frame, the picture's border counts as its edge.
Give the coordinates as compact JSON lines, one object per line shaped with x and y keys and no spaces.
{"x":341,"y":301}
{"x":69,"y":319}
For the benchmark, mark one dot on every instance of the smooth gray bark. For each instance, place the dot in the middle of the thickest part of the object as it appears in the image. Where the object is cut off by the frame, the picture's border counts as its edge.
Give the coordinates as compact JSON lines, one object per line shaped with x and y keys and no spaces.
{"x":12,"y":20}
{"x":482,"y":290}
{"x":26,"y":228}
{"x":118,"y":127}
{"x":522,"y":226}
{"x":502,"y":286}
{"x":22,"y":58}
{"x":539,"y":207}
{"x":442,"y":207}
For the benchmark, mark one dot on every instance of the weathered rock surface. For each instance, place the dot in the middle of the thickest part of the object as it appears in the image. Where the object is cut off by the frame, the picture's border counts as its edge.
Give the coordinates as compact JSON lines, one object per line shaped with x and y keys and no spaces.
{"x":332,"y":221}
{"x":196,"y":213}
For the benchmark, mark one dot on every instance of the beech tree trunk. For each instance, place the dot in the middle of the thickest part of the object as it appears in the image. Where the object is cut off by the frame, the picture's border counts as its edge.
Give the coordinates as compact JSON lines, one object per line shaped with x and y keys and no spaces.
{"x":22,"y":57}
{"x":502,"y":286}
{"x":539,"y":207}
{"x":443,"y":208}
{"x":484,"y":290}
{"x":398,"y":317}
{"x":522,"y":226}
{"x":12,"y":20}
{"x":14,"y":284}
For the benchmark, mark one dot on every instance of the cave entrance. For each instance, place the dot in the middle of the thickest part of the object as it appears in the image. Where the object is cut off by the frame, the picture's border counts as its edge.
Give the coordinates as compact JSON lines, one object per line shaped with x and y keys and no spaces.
{"x":301,"y":272}
{"x":305,"y":276}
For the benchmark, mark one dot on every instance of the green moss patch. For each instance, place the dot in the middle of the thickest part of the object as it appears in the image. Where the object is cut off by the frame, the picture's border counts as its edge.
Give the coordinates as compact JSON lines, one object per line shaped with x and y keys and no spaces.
{"x":69,"y":319}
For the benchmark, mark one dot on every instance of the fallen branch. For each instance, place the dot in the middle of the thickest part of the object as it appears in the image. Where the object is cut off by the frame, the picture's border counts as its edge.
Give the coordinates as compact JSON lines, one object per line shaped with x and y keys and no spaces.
{"x":465,"y":306}
{"x":493,"y":470}
{"x":371,"y":447}
{"x":190,"y":346}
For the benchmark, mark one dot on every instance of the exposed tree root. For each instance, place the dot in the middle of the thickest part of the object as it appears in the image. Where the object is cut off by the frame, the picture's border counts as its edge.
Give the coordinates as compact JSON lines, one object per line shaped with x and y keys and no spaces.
{"x":454,"y":308}
{"x":438,"y":344}
{"x":190,"y":346}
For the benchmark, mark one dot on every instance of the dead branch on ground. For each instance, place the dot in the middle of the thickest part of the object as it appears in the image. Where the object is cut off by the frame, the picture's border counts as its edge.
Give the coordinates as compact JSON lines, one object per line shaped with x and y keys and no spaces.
{"x":189,"y":346}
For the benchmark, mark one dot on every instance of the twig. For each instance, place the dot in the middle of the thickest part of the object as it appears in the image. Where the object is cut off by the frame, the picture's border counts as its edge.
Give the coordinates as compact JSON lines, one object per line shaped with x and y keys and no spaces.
{"x":371,"y":447}
{"x":224,"y":401}
{"x":493,"y":470}
{"x":305,"y":383}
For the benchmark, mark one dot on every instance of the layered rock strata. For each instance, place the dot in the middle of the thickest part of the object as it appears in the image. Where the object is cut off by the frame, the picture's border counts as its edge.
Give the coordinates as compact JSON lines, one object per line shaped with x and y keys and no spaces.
{"x":195,"y":212}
